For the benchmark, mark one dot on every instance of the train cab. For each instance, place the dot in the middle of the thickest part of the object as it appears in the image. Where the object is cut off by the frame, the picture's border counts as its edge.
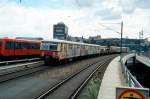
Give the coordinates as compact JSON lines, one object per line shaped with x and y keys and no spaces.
{"x":50,"y":49}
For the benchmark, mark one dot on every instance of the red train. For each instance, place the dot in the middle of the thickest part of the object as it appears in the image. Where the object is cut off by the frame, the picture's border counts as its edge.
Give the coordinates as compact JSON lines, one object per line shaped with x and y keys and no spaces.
{"x":16,"y":47}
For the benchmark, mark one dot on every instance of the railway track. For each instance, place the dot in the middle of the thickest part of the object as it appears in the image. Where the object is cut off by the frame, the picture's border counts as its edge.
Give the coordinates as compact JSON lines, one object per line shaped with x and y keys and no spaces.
{"x":20,"y":70}
{"x":17,"y":70}
{"x":71,"y":86}
{"x":6,"y":63}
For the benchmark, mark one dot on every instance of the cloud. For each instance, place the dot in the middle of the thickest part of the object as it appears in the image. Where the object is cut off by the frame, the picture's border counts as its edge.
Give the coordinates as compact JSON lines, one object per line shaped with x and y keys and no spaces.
{"x":143,"y":3}
{"x":84,"y":3}
{"x":108,"y":14}
{"x":81,"y":16}
{"x":29,"y":21}
{"x":128,"y":6}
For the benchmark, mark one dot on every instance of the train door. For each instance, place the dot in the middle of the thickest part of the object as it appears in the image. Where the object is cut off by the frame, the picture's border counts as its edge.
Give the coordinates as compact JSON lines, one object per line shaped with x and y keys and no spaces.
{"x":33,"y":49}
{"x":78,"y":50}
{"x":1,"y":47}
{"x":64,"y":50}
{"x":25,"y":49}
{"x":69,"y":51}
{"x":74,"y":50}
{"x":9,"y":48}
{"x":18,"y":49}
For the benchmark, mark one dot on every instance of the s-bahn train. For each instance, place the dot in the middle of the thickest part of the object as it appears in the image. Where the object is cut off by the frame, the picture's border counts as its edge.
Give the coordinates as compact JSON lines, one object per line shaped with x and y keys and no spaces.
{"x":10,"y":48}
{"x":52,"y":50}
{"x":56,"y":50}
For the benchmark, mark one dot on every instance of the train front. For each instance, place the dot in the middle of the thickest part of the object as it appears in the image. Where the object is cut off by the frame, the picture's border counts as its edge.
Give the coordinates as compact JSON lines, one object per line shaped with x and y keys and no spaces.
{"x":50,"y":51}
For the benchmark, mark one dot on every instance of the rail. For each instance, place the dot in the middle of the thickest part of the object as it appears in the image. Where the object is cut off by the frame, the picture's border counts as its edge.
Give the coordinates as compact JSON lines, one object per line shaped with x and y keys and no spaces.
{"x":131,"y":80}
{"x":91,"y":68}
{"x":13,"y":72}
{"x":78,"y":91}
{"x":19,"y":61}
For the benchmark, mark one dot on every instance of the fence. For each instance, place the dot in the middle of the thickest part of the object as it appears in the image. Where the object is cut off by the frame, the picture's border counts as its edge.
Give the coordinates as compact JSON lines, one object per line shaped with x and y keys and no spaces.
{"x":130,"y":79}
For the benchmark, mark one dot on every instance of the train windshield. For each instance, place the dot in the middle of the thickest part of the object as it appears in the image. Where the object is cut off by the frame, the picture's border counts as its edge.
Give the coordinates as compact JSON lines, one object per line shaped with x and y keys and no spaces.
{"x":53,"y":46}
{"x":45,"y":46}
{"x":49,"y":46}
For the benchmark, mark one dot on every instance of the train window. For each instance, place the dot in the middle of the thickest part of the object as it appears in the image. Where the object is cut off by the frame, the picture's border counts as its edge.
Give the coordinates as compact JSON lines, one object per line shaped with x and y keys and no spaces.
{"x":49,"y":46}
{"x":24,"y":45}
{"x":44,"y":46}
{"x":70,"y":46}
{"x":30,"y":45}
{"x":18,"y":45}
{"x":37,"y":46}
{"x":75,"y":46}
{"x":34,"y":46}
{"x":61,"y":47}
{"x":65,"y":46}
{"x":9,"y":45}
{"x":78,"y":46}
{"x":53,"y":47}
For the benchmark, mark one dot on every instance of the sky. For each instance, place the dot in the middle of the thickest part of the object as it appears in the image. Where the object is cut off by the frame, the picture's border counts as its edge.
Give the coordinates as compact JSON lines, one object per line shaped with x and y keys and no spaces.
{"x":35,"y":18}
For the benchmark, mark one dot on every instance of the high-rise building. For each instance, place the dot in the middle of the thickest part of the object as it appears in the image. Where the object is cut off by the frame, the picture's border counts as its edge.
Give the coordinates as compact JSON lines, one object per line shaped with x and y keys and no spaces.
{"x":60,"y":31}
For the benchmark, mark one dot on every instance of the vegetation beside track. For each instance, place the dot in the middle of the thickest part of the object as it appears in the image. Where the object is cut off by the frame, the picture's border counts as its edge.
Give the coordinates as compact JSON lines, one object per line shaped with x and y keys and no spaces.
{"x":92,"y":88}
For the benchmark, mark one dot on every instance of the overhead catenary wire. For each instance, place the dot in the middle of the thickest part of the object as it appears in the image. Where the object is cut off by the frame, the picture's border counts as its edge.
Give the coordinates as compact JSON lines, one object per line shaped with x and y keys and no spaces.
{"x":109,"y":28}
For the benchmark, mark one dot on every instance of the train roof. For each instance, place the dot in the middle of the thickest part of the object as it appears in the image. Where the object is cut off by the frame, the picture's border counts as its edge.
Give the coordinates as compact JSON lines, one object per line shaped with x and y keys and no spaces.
{"x":70,"y":42}
{"x":119,"y":47}
{"x":20,"y":39}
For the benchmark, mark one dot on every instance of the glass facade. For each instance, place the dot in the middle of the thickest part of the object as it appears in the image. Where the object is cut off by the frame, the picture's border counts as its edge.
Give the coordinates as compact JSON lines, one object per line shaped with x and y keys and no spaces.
{"x":60,"y":31}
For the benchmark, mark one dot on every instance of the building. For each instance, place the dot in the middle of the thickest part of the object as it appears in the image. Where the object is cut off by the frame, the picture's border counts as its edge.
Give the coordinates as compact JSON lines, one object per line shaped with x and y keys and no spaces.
{"x":60,"y":31}
{"x":133,"y":44}
{"x":76,"y":39}
{"x":95,"y":37}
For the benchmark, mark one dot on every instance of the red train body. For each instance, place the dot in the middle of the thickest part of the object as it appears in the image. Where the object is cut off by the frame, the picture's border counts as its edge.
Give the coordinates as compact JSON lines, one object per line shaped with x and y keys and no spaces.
{"x":15,"y":47}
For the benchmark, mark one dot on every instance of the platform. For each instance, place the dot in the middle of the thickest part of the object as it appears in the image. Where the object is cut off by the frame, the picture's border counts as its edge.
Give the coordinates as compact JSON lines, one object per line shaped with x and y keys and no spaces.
{"x":113,"y":77}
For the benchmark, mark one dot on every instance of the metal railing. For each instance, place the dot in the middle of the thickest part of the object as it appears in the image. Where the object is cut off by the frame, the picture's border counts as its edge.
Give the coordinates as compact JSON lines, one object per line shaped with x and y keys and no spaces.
{"x":130,"y":79}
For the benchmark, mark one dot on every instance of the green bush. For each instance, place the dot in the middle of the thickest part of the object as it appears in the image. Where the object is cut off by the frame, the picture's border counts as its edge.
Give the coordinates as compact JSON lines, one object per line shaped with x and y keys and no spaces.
{"x":93,"y":90}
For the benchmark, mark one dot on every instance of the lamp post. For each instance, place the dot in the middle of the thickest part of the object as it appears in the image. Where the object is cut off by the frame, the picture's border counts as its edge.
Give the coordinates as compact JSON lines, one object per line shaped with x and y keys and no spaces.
{"x":121,"y":32}
{"x":121,"y":37}
{"x":126,"y":44}
{"x":140,"y":38}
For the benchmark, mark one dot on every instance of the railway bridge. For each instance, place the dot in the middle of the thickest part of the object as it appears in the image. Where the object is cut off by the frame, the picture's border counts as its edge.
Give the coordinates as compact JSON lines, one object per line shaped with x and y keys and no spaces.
{"x":118,"y":75}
